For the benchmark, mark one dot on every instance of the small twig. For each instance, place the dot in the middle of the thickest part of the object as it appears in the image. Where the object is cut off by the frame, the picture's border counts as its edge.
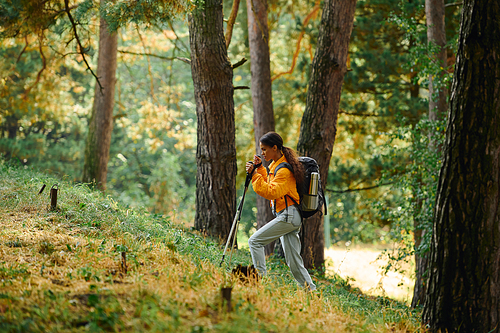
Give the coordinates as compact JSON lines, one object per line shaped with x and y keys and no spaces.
{"x":361,"y":114}
{"x":241,"y":87}
{"x":177,"y":38}
{"x":150,"y":71}
{"x":81,"y":48}
{"x":186,"y":60}
{"x":454,"y":4}
{"x":44,"y":66}
{"x":315,"y":9}
{"x":239,"y":63}
{"x":359,"y":189}
{"x":148,"y":55}
{"x":230,"y":22}
{"x":24,"y":49}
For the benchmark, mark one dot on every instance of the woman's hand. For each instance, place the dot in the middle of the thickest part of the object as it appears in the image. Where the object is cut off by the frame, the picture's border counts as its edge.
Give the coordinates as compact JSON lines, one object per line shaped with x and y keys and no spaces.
{"x":257,"y":160}
{"x":249,"y":167}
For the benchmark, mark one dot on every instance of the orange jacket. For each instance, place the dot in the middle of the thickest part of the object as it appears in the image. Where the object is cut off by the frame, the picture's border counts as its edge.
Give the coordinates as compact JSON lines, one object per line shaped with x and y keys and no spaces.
{"x":275,"y":188}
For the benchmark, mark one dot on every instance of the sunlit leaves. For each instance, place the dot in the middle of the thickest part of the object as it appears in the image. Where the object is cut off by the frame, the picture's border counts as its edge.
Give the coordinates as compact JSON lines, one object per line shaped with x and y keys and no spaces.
{"x":150,"y":12}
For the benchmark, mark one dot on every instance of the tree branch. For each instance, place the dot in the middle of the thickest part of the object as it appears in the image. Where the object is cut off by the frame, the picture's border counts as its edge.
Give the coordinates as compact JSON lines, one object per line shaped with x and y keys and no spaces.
{"x":44,"y":65}
{"x":454,"y":4}
{"x":148,"y":55}
{"x":361,"y":114}
{"x":150,"y":72}
{"x":239,"y":63}
{"x":24,"y":49}
{"x":241,"y":87}
{"x":230,"y":22}
{"x":315,"y":9}
{"x":177,"y":38}
{"x":186,"y":60}
{"x":80,"y":46}
{"x":359,"y":189}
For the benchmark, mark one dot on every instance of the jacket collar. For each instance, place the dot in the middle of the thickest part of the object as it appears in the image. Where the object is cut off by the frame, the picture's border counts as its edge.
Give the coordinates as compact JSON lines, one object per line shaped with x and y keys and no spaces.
{"x":276,"y":163}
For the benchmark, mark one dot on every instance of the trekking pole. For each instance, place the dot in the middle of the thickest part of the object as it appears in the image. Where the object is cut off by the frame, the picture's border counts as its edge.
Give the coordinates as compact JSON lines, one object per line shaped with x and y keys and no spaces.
{"x":237,"y":217}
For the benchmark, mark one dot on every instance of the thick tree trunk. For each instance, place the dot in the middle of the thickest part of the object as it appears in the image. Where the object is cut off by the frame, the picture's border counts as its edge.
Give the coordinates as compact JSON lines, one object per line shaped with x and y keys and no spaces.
{"x":95,"y":168}
{"x":319,"y":122}
{"x":263,"y":115}
{"x":436,"y":34}
{"x":463,"y":292}
{"x":216,"y":151}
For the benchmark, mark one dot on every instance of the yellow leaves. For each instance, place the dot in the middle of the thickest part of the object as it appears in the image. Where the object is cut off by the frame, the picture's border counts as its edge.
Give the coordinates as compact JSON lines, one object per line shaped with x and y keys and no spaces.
{"x":169,"y":34}
{"x":78,"y":89}
{"x":157,"y":121}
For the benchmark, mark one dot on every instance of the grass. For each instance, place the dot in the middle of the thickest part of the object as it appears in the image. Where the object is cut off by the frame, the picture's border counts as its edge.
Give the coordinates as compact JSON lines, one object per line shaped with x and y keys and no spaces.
{"x":93,"y":265}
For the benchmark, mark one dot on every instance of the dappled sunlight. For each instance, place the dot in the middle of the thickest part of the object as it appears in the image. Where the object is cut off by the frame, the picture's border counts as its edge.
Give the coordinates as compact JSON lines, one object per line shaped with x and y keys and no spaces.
{"x":363,"y":268}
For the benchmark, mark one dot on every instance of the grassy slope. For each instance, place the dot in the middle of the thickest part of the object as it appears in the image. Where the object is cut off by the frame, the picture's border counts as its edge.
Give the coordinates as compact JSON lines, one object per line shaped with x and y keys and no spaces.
{"x":62,"y":271}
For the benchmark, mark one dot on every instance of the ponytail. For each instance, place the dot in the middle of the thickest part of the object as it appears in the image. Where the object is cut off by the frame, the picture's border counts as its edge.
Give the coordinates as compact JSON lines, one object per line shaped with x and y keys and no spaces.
{"x":293,"y":160}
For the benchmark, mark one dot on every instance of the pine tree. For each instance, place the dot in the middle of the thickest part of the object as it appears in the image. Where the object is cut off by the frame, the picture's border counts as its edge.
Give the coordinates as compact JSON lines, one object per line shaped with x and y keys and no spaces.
{"x":462,"y":293}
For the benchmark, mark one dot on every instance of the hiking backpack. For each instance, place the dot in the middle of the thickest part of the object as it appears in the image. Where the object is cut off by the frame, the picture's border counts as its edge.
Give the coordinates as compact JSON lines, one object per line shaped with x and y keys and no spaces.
{"x":309,"y":204}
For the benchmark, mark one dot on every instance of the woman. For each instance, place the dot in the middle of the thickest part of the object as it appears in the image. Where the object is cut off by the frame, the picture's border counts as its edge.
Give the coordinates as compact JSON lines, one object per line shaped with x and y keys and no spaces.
{"x":279,"y":189}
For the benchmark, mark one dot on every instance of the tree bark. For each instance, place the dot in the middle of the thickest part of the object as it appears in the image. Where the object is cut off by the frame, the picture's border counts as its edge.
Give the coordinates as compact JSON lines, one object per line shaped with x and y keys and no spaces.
{"x":216,"y":151}
{"x":95,"y":168}
{"x":463,"y":292}
{"x":263,"y":115}
{"x":421,"y":264}
{"x":436,"y":34}
{"x":319,"y":122}
{"x":12,"y":125}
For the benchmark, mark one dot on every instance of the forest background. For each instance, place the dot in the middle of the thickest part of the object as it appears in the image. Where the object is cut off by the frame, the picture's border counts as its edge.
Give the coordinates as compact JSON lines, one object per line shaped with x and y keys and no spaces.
{"x":382,"y":175}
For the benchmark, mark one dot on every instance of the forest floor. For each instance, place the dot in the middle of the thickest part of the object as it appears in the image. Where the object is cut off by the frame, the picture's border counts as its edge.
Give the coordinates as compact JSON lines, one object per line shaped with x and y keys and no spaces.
{"x":93,"y":266}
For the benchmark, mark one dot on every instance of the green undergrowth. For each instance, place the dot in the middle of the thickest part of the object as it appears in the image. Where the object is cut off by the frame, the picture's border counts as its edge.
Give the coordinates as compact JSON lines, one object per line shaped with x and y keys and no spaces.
{"x":94,"y":265}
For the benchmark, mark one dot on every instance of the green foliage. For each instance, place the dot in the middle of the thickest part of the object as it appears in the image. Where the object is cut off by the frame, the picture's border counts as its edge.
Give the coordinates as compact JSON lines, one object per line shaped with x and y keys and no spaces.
{"x":8,"y":273}
{"x":120,"y":13}
{"x":418,"y":180}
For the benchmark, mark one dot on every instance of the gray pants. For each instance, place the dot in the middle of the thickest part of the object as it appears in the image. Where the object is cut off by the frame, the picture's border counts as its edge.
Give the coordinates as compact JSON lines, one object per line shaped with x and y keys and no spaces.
{"x":285,"y":226}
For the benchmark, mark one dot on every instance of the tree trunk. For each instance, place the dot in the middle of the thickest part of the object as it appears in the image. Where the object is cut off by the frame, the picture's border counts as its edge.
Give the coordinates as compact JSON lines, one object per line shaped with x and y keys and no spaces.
{"x":421,"y":263}
{"x":216,"y":151}
{"x":319,"y":122}
{"x":263,"y":115}
{"x":95,"y":168}
{"x":463,"y":292}
{"x":436,"y":34}
{"x":12,"y":125}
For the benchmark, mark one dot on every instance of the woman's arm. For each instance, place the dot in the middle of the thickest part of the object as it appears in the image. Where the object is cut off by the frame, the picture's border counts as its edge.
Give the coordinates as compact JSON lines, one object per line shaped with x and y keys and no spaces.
{"x":275,"y":189}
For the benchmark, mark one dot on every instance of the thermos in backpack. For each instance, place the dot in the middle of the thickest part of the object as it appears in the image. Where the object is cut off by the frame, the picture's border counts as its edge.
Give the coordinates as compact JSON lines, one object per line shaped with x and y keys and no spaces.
{"x":310,"y":199}
{"x":310,"y":191}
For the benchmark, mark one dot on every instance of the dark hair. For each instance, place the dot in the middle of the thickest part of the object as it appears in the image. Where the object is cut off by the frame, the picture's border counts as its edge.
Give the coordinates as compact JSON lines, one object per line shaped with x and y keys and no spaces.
{"x":272,"y":139}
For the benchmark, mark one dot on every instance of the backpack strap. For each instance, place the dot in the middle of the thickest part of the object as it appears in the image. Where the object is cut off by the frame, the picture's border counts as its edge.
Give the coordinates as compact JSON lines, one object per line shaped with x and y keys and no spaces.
{"x":283,"y":165}
{"x":289,"y":167}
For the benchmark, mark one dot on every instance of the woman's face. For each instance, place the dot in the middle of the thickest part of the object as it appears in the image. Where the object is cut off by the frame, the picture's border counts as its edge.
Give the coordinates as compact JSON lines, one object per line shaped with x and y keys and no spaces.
{"x":269,"y":153}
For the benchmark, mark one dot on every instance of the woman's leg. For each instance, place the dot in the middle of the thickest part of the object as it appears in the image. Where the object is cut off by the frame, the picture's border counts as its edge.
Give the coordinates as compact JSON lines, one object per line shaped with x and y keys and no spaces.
{"x":265,"y":235}
{"x":291,"y":247}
